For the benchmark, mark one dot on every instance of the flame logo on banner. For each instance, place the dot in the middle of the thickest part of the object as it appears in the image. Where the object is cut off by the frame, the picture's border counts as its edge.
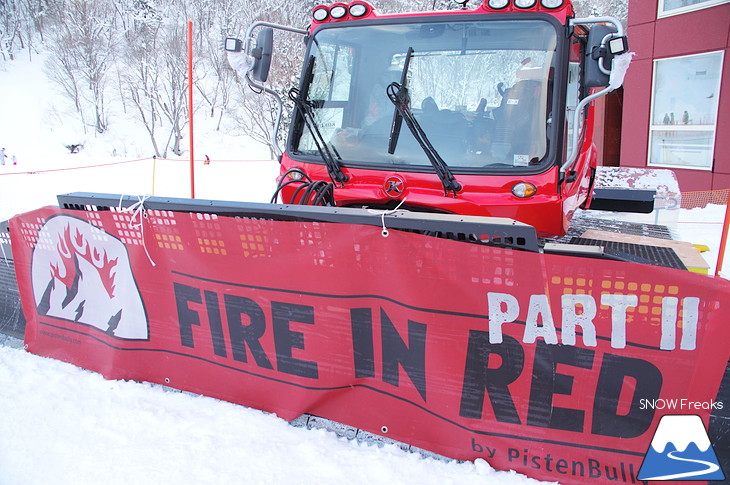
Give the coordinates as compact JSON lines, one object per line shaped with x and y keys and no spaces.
{"x":70,"y":250}
{"x":83,"y":274}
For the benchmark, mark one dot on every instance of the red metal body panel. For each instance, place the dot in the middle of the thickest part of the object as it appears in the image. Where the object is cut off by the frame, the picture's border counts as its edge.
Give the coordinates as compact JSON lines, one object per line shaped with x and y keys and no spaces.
{"x":549,"y":211}
{"x":483,"y":195}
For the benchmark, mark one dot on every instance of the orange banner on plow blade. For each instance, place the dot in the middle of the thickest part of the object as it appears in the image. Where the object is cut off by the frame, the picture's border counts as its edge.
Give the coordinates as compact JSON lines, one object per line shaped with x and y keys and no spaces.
{"x":554,"y":366}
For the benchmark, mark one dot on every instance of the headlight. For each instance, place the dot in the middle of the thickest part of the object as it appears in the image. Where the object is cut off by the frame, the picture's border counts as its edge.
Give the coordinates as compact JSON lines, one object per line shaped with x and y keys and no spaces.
{"x":525,"y":3}
{"x":320,"y":14}
{"x":358,"y":9}
{"x":338,"y":11}
{"x":524,"y":190}
{"x":497,"y":4}
{"x":551,"y":3}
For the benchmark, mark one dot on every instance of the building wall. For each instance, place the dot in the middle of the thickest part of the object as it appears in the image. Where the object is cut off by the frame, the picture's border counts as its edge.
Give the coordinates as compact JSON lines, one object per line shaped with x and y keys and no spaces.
{"x":607,"y":112}
{"x":650,"y":38}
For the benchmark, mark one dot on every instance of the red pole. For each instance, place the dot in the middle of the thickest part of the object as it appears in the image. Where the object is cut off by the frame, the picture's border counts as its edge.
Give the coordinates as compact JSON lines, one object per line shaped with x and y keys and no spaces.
{"x":190,"y":106}
{"x":723,"y":239}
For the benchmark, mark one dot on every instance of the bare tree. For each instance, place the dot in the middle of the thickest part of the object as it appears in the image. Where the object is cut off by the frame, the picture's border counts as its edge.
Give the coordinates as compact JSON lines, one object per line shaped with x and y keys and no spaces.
{"x":155,"y":82}
{"x":11,"y":17}
{"x":142,"y":45}
{"x":61,"y":69}
{"x":172,"y":95}
{"x":217,"y":84}
{"x":33,"y":13}
{"x":140,"y":82}
{"x":614,"y":8}
{"x":257,"y":111}
{"x":83,"y":50}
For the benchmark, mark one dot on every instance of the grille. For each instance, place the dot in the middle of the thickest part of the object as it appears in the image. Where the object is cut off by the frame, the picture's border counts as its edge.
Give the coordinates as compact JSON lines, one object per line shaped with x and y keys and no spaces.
{"x":12,"y":321}
{"x":636,"y":253}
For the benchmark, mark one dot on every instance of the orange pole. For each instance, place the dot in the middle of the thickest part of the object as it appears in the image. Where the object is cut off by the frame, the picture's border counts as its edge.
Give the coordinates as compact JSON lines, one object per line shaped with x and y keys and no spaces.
{"x":190,"y":107}
{"x":723,"y":240}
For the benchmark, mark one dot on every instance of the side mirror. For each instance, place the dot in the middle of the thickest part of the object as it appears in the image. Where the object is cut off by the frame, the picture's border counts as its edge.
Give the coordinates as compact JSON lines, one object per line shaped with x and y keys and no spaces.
{"x":599,"y":56}
{"x":262,"y":54}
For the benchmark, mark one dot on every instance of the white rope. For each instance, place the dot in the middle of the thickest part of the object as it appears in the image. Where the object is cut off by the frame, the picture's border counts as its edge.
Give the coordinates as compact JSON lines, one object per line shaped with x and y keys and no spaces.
{"x":139,"y":214}
{"x":384,"y":213}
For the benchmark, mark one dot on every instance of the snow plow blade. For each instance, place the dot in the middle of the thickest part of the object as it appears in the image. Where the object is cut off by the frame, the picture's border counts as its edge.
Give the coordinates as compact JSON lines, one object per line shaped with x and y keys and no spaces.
{"x":556,"y":366}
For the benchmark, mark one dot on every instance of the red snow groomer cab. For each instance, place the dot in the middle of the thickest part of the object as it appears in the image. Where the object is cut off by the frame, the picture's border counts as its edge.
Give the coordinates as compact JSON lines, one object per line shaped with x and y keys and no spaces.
{"x":482,"y":112}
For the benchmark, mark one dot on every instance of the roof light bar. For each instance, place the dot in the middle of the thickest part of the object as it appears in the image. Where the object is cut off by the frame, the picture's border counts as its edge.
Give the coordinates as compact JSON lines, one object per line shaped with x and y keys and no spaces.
{"x":525,"y":3}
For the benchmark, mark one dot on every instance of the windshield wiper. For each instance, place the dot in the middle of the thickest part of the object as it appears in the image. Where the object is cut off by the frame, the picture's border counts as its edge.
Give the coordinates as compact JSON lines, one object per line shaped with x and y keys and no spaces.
{"x":305,"y":108}
{"x":397,"y":117}
{"x":399,"y":96}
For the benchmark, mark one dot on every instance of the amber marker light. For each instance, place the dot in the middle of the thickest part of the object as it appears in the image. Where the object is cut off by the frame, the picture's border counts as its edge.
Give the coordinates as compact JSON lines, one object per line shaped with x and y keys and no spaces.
{"x":524,"y":190}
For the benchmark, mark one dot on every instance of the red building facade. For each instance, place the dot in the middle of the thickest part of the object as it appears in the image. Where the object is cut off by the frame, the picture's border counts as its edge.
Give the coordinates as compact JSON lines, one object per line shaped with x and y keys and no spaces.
{"x":676,"y":100}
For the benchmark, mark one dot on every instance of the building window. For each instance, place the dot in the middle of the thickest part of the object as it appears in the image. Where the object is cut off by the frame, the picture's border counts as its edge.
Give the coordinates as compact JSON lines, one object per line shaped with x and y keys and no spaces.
{"x":676,"y":7}
{"x":684,"y":110}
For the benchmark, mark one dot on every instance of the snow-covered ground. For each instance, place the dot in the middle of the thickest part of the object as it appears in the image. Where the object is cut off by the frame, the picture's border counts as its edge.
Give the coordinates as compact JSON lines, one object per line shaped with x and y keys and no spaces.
{"x":62,"y":425}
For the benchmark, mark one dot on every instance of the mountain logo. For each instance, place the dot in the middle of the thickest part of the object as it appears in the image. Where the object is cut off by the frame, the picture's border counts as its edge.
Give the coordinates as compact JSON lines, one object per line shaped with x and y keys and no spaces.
{"x":680,"y":450}
{"x":81,"y":273}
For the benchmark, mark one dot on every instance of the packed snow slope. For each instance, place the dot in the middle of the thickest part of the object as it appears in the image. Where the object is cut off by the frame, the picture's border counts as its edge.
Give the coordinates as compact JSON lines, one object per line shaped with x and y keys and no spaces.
{"x":64,"y":425}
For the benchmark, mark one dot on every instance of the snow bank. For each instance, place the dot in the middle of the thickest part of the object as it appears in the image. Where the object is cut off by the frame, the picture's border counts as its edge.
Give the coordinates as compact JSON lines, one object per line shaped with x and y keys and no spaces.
{"x":63,"y":425}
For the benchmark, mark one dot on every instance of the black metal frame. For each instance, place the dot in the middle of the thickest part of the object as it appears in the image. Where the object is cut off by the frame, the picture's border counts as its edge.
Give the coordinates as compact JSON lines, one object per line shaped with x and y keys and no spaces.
{"x":623,"y":200}
{"x":493,"y":231}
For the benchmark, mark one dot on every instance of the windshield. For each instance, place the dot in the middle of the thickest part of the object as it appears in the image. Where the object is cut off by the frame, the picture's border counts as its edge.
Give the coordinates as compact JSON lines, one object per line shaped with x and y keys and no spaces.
{"x":481,"y":91}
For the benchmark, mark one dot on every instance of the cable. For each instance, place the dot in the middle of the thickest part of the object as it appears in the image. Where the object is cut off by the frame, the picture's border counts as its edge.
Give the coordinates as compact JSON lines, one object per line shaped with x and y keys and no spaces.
{"x":309,"y":192}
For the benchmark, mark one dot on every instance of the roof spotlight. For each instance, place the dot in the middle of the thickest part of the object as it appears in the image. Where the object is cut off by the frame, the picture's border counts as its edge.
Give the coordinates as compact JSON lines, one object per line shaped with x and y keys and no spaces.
{"x":320,"y":14}
{"x":358,"y":9}
{"x":233,"y":45}
{"x":338,"y":11}
{"x":525,"y":3}
{"x":552,"y":3}
{"x":497,"y":4}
